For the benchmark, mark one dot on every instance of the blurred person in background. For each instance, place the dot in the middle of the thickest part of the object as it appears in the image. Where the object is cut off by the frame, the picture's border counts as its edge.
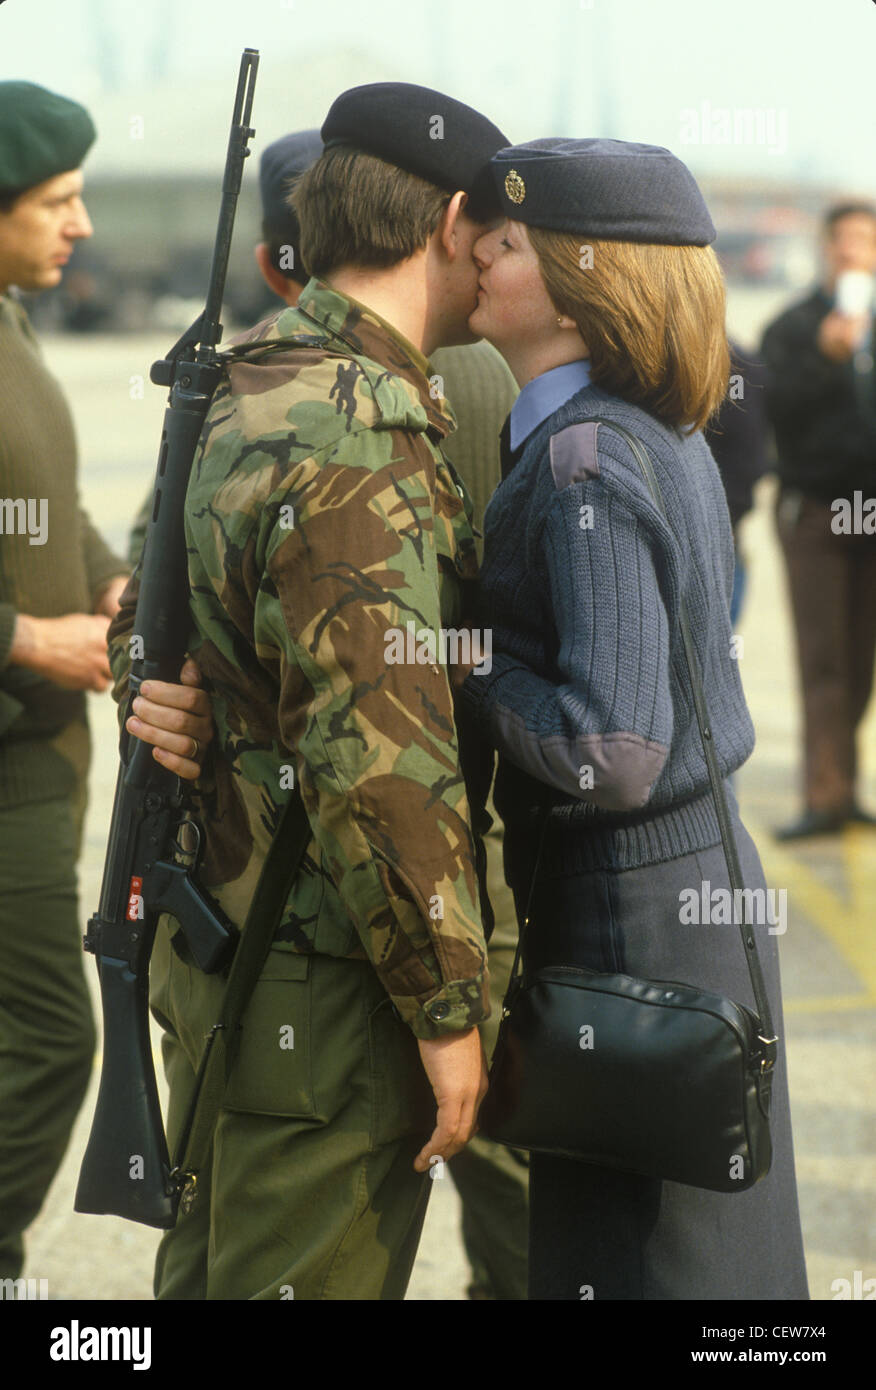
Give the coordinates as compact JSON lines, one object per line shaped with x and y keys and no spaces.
{"x":59,"y":587}
{"x":737,"y":439}
{"x":821,"y":401}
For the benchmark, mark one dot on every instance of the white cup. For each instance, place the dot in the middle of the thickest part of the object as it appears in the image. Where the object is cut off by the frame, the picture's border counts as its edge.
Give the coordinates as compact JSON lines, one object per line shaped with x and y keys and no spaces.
{"x":854,"y":292}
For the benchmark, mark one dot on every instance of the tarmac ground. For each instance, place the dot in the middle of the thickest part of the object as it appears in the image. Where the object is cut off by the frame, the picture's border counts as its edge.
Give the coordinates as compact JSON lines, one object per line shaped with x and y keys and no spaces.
{"x":828,"y":952}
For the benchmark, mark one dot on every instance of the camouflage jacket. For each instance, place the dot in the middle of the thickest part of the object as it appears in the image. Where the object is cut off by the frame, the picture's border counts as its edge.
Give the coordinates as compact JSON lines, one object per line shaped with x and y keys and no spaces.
{"x":328,"y":537}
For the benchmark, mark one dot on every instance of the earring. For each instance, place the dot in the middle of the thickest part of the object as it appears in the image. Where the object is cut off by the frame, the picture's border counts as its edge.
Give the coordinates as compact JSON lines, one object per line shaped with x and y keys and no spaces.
{"x":560,"y":320}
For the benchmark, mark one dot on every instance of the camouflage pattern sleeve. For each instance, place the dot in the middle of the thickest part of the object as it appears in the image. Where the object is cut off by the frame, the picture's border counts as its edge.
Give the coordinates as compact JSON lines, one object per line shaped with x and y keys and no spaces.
{"x":351,"y":595}
{"x":122,"y":626}
{"x":118,"y":642}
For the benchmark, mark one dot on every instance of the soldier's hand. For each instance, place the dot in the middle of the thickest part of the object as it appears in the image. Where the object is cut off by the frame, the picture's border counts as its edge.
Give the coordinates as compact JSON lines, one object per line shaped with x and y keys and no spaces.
{"x":71,"y":651}
{"x":108,"y":602}
{"x":457,"y":1072}
{"x":170,"y":717}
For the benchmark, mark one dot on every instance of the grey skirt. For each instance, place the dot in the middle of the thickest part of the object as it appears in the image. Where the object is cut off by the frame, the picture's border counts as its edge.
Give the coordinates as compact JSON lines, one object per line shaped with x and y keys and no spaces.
{"x":602,"y":1234}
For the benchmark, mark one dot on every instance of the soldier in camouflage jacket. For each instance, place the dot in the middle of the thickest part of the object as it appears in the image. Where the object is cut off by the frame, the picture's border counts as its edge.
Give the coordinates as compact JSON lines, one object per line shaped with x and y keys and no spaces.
{"x":321,"y":519}
{"x":330,"y":549}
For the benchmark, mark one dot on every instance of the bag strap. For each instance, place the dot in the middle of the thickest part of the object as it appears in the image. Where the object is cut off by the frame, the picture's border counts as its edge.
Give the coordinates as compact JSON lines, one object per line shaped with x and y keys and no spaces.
{"x":767,"y":1035}
{"x":282,"y":862}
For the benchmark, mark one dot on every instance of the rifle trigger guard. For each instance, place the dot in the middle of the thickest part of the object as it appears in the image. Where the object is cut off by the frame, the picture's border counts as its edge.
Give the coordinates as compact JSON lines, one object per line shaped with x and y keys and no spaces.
{"x":188,"y":839}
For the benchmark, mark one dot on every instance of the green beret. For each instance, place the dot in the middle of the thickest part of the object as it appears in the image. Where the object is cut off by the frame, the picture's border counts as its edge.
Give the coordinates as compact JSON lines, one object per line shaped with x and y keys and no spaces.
{"x":41,"y":134}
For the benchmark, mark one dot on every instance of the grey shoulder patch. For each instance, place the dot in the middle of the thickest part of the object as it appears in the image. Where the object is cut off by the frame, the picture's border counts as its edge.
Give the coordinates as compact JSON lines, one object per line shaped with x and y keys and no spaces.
{"x":573,"y":454}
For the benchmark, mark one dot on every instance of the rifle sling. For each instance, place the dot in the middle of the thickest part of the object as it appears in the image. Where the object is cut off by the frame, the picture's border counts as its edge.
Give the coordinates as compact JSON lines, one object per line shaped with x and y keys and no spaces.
{"x":279,"y":870}
{"x":728,"y":839}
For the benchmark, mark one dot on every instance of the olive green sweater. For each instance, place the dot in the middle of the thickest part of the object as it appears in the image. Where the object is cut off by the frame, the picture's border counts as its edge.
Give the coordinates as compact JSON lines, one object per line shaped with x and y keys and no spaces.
{"x":52,"y":562}
{"x":481,"y":392}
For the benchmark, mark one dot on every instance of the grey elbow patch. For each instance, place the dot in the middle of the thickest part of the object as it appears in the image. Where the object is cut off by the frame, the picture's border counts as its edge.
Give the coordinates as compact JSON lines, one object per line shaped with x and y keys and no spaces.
{"x":573,"y":455}
{"x":624,"y":769}
{"x":614,"y":771}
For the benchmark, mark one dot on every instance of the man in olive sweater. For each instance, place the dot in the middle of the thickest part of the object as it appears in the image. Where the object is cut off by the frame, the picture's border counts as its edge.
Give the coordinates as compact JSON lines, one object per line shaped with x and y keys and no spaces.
{"x":59,"y":587}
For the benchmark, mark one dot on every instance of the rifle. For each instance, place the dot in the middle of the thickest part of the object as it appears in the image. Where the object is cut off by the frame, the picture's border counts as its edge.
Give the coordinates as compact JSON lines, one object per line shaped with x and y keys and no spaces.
{"x":126,"y":1170}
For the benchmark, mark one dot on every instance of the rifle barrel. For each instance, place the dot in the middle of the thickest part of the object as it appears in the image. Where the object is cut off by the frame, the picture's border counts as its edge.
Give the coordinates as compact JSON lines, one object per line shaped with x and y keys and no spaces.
{"x":126,"y":1168}
{"x":238,"y":149}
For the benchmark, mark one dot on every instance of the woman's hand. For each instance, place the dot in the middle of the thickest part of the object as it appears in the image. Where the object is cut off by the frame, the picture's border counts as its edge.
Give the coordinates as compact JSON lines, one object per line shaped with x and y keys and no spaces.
{"x":108,"y":603}
{"x":176,"y":719}
{"x":480,"y":651}
{"x":458,"y":673}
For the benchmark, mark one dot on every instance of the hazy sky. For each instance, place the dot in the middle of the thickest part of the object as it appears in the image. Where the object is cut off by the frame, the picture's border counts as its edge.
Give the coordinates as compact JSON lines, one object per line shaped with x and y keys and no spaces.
{"x":682,"y":73}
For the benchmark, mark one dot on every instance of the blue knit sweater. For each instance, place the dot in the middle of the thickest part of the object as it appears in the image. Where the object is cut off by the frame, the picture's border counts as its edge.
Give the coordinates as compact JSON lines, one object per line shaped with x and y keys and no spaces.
{"x":588,"y":692}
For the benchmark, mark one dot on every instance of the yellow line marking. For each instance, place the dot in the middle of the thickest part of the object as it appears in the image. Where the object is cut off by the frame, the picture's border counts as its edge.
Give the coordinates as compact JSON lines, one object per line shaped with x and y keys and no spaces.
{"x":841,"y":1172}
{"x":827,"y":1003}
{"x":849,"y":926}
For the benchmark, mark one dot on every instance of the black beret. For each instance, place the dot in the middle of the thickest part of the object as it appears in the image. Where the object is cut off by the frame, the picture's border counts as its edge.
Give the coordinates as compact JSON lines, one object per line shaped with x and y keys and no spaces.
{"x":610,"y":189}
{"x":422,"y":131}
{"x":41,"y":135}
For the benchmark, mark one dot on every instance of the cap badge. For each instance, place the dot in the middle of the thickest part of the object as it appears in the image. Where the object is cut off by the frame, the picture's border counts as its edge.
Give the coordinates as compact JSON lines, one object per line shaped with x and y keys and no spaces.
{"x":514,"y":186}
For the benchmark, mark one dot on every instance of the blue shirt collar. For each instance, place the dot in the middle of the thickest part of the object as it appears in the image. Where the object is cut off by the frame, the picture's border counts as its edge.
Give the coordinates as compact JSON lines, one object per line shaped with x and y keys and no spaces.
{"x":543,"y":395}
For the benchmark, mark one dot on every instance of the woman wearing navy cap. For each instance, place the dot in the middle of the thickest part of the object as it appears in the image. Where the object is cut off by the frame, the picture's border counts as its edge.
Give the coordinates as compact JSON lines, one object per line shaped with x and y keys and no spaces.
{"x":603,"y":294}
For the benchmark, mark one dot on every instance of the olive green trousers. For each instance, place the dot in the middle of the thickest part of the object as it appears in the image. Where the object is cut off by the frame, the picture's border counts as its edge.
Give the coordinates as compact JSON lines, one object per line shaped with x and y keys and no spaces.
{"x":493,"y":1181}
{"x":310,"y":1192}
{"x":46,"y":1024}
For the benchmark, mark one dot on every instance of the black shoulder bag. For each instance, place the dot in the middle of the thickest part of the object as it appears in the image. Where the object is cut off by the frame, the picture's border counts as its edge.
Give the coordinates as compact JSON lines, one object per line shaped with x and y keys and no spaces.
{"x":677,"y":1082}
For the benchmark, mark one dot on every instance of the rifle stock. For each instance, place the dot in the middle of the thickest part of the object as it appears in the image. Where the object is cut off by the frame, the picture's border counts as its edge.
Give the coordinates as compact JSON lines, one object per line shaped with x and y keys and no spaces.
{"x":126,"y":1170}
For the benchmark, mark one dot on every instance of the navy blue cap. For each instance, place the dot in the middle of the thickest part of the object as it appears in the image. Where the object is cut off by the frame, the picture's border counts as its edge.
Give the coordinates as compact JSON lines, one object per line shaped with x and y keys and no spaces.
{"x":281,"y":163}
{"x":615,"y":190}
{"x":422,"y":131}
